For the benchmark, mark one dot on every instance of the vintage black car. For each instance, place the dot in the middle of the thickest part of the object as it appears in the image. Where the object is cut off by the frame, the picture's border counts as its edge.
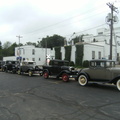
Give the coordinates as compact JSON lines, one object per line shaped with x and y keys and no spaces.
{"x":10,"y":66}
{"x":29,"y":67}
{"x":100,"y":71}
{"x":59,"y":68}
{"x":1,"y":65}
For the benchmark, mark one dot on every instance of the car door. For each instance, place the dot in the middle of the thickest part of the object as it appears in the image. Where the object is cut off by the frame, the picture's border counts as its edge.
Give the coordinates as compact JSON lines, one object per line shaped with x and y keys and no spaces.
{"x":97,"y":71}
{"x":56,"y":68}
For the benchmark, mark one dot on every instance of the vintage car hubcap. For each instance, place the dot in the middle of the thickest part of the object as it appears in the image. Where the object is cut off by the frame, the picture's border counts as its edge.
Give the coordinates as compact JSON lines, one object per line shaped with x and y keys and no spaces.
{"x":45,"y":75}
{"x":65,"y":77}
{"x":83,"y":80}
{"x":18,"y":72}
{"x":30,"y":73}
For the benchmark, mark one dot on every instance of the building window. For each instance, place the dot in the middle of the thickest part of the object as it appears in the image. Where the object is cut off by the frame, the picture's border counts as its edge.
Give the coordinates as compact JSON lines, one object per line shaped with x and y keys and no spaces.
{"x":33,"y":51}
{"x":39,"y":59}
{"x":93,"y":54}
{"x":117,"y":56}
{"x":33,"y":59}
{"x":99,"y":55}
{"x":18,"y":52}
{"x":100,"y":33}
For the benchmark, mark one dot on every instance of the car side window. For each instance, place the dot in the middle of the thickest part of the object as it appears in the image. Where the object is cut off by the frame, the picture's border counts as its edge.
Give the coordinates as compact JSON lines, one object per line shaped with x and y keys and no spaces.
{"x":92,"y":64}
{"x":97,"y":64}
{"x":110,"y":64}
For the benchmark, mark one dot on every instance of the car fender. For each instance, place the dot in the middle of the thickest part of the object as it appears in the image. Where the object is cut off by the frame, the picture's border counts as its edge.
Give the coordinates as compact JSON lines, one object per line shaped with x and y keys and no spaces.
{"x":83,"y":73}
{"x":64,"y":71}
{"x":115,"y":79}
{"x":30,"y":69}
{"x":46,"y":70}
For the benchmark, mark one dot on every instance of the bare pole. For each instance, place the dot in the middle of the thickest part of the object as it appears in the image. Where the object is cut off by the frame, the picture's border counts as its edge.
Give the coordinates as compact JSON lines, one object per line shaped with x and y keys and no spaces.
{"x":19,"y":44}
{"x":113,"y":9}
{"x":46,"y":51}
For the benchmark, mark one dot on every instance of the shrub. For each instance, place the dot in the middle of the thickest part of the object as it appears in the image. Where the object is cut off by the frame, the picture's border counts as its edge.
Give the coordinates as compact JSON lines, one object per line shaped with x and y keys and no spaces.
{"x":86,"y":63}
{"x":72,"y":63}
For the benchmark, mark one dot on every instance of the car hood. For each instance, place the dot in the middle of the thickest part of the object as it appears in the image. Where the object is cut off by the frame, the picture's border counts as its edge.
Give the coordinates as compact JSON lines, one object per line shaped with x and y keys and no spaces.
{"x":115,"y":69}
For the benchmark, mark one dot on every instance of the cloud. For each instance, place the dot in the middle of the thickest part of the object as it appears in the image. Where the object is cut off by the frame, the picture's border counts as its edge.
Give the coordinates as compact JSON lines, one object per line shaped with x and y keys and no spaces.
{"x":35,"y":19}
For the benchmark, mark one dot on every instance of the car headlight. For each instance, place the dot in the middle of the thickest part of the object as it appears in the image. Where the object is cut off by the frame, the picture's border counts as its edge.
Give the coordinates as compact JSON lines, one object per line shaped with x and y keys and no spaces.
{"x":71,"y":68}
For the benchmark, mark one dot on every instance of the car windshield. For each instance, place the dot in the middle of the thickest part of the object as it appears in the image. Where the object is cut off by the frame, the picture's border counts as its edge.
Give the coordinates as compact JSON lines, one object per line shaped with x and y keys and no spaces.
{"x":63,"y":63}
{"x":59,"y":63}
{"x":15,"y":62}
{"x":66,"y":63}
{"x":31,"y":63}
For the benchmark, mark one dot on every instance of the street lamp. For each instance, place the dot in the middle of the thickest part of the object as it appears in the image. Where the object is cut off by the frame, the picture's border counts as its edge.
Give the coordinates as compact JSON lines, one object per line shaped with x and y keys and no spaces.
{"x":70,"y":40}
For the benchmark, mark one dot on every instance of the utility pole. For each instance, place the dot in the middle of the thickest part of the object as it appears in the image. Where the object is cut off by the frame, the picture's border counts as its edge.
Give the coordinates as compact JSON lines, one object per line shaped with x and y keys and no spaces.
{"x":19,"y":44}
{"x":113,"y":9}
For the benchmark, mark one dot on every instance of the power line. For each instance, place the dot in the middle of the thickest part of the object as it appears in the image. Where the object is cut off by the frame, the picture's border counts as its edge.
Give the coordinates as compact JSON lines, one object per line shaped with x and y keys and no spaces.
{"x":64,"y":25}
{"x":87,"y":29}
{"x":60,"y":21}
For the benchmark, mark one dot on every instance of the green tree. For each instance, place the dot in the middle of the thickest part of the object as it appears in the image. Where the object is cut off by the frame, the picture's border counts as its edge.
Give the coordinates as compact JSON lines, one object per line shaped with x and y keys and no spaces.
{"x":78,"y":39}
{"x":8,"y":49}
{"x":7,"y":45}
{"x":68,"y":53}
{"x":52,"y":41}
{"x":31,"y":43}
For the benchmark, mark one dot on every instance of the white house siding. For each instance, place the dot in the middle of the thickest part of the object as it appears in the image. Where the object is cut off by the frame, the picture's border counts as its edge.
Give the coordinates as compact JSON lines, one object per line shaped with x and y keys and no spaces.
{"x":88,"y":48}
{"x":73,"y":50}
{"x":9,"y":58}
{"x":62,"y":53}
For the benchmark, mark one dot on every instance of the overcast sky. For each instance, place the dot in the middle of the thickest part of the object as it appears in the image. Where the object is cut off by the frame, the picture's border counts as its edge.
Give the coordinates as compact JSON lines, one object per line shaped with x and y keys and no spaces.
{"x":35,"y":19}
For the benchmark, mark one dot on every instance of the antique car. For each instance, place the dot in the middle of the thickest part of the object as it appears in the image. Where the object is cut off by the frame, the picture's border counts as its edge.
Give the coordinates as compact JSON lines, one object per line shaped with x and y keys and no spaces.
{"x":59,"y":68}
{"x":10,"y":66}
{"x":1,"y":65}
{"x":29,"y":67}
{"x":100,"y":71}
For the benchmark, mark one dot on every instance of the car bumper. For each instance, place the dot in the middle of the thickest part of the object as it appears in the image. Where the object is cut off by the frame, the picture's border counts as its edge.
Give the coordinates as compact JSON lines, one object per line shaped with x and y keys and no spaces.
{"x":72,"y":76}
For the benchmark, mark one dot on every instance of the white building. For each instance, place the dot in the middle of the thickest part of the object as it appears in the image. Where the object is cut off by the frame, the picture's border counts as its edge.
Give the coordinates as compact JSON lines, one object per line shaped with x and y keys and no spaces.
{"x":98,"y":47}
{"x":95,"y":47}
{"x":103,"y":39}
{"x":32,"y":53}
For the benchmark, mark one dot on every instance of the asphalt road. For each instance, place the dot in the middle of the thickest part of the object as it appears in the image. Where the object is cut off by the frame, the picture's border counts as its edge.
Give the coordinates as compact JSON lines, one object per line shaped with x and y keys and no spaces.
{"x":36,"y":98}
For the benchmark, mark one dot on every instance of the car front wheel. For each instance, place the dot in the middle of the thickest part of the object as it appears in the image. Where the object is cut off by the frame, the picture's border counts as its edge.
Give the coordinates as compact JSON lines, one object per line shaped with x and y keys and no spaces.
{"x":30,"y":73}
{"x":3,"y":70}
{"x":45,"y":74}
{"x":65,"y":77}
{"x":118,"y":84}
{"x":83,"y":80}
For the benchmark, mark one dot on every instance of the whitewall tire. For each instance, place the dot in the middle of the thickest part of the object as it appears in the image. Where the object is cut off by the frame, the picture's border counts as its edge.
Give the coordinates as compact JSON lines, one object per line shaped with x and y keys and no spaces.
{"x":118,"y":84}
{"x":83,"y":80}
